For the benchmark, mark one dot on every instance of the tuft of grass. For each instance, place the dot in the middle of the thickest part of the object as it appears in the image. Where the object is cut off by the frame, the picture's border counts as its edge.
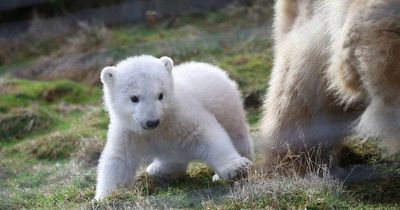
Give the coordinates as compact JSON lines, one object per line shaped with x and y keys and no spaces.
{"x":54,"y":146}
{"x":89,"y":151}
{"x":73,"y":138}
{"x":24,"y":93}
{"x":281,"y":185}
{"x":87,"y":38}
{"x":281,"y":192}
{"x":20,"y":123}
{"x":30,"y":107}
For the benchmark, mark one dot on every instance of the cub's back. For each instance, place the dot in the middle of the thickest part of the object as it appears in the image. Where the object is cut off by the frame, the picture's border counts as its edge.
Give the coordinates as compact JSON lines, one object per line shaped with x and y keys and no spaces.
{"x":207,"y":84}
{"x":213,"y":89}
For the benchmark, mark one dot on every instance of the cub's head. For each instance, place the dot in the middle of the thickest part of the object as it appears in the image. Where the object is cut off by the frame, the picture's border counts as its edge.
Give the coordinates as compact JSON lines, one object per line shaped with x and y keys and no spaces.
{"x":138,"y":91}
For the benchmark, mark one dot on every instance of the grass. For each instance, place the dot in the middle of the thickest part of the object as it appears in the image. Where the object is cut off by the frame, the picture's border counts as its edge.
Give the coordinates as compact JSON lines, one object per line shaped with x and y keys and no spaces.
{"x":52,"y":132}
{"x":30,"y":107}
{"x":55,"y":168}
{"x":23,"y":93}
{"x":239,"y":45}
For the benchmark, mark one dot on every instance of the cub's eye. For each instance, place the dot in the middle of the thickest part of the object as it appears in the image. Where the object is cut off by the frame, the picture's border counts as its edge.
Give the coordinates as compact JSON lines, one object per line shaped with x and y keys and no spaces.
{"x":135,"y":99}
{"x":160,"y":97}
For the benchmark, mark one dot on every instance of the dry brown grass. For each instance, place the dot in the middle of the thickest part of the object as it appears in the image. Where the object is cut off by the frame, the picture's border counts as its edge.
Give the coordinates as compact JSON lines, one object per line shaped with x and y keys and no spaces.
{"x":50,"y":147}
{"x":27,"y":44}
{"x":259,"y":190}
{"x":255,"y":11}
{"x":87,"y":38}
{"x":282,"y":185}
{"x":43,"y":37}
{"x":89,"y":151}
{"x":22,"y":122}
{"x":78,"y":56}
{"x":82,"y":67}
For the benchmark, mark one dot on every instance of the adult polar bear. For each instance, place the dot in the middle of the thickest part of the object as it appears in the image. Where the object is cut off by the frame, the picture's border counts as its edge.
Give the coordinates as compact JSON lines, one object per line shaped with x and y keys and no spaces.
{"x":331,"y":55}
{"x":171,"y":117}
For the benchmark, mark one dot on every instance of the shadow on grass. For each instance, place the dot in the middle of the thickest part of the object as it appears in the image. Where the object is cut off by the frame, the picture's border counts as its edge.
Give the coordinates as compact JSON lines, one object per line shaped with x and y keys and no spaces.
{"x":370,"y":178}
{"x":190,"y":191}
{"x":378,"y":191}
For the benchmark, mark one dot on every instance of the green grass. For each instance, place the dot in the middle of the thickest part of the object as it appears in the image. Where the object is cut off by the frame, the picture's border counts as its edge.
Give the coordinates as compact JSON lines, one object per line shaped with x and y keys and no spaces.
{"x":32,"y":107}
{"x":23,"y":93}
{"x":54,"y":167}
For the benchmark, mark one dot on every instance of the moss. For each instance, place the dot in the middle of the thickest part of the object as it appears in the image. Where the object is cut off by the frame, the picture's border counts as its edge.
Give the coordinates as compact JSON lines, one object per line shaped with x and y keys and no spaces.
{"x":356,"y":151}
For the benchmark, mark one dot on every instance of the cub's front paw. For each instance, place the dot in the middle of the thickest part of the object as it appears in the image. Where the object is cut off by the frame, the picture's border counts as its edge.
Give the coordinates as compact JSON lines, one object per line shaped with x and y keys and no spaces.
{"x":235,"y":168}
{"x":215,"y":178}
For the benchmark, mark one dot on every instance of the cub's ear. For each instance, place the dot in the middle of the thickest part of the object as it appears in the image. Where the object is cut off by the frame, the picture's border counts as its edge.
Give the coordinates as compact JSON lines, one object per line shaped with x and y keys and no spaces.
{"x":168,"y":63}
{"x":107,"y":75}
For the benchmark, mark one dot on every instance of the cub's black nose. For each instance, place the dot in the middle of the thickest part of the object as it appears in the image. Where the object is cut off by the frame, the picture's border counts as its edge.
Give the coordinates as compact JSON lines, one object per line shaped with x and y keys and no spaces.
{"x":152,"y":123}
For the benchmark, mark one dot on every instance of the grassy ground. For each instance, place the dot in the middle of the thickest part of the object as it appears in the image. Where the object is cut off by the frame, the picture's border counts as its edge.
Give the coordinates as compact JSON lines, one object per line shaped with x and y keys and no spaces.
{"x":52,"y":132}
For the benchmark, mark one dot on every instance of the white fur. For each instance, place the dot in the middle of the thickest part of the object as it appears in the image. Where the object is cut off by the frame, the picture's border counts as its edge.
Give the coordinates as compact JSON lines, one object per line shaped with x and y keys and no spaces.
{"x":201,"y":118}
{"x":331,"y":55}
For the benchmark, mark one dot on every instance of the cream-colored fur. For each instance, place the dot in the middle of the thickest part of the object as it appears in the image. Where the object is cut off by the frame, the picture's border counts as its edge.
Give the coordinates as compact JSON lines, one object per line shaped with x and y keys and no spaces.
{"x":330,"y":56}
{"x":199,"y":114}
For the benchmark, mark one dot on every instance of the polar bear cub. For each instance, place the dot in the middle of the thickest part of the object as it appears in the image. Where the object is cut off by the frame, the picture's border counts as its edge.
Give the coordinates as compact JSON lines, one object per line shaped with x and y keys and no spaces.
{"x":171,"y":116}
